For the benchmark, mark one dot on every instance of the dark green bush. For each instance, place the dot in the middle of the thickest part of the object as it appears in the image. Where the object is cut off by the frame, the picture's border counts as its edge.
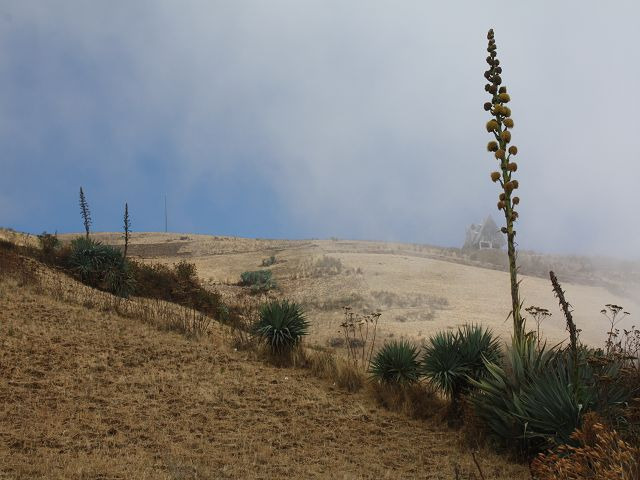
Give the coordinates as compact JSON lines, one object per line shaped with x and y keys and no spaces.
{"x":186,"y":272}
{"x":396,"y":363}
{"x":258,"y":280}
{"x":100,"y":266}
{"x":178,"y":284}
{"x":281,"y":325}
{"x":453,"y":359}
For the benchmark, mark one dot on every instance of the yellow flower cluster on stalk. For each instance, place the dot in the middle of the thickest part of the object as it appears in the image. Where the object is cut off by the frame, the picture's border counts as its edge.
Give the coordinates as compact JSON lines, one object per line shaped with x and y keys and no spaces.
{"x":500,"y":126}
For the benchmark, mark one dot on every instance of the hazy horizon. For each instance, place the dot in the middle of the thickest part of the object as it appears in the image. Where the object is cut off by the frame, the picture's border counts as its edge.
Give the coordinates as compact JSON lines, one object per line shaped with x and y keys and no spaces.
{"x":317,"y":119}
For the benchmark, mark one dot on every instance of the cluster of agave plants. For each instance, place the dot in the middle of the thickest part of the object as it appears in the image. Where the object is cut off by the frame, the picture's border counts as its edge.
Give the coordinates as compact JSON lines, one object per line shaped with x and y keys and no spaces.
{"x":525,"y":393}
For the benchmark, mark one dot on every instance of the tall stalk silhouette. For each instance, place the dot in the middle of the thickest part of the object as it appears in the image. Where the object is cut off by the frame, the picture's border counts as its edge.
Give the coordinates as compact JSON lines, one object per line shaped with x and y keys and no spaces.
{"x":84,"y":211}
{"x":500,"y":127}
{"x":126,"y":228}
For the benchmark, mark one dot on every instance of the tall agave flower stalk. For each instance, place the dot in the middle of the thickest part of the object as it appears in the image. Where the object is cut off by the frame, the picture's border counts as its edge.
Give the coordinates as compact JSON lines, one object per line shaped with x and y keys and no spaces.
{"x":500,"y":127}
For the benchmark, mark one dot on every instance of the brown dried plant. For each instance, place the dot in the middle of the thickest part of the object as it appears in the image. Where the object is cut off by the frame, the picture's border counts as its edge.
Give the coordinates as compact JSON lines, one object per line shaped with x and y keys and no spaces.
{"x":614,"y":315}
{"x":601,"y":454}
{"x":539,"y":314}
{"x":359,"y":331}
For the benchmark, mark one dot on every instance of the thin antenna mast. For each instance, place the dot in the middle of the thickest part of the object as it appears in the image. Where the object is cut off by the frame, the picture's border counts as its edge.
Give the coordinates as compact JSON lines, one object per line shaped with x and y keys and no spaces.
{"x":165,"y":214}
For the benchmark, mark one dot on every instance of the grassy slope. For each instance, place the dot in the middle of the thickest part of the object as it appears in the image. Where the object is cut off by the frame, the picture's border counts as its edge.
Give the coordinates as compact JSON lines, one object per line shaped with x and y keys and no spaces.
{"x":89,"y":394}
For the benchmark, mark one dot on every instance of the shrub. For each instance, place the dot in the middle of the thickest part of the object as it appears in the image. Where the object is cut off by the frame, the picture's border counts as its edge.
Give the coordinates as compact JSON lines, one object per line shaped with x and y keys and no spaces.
{"x":327,"y":266}
{"x":258,"y":280}
{"x":452,"y":360}
{"x":281,"y":325}
{"x":48,"y":244}
{"x":396,"y":363}
{"x":186,"y":272}
{"x":100,"y":266}
{"x":267,"y":262}
{"x":178,"y":284}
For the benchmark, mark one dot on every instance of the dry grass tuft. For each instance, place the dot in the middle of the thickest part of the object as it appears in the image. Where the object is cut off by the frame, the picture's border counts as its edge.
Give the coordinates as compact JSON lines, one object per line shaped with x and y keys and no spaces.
{"x":416,"y":400}
{"x":343,"y":373}
{"x":348,"y":377}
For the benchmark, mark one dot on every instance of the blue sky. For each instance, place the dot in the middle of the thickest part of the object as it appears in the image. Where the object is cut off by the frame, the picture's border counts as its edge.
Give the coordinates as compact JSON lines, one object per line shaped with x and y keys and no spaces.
{"x":298,"y":119}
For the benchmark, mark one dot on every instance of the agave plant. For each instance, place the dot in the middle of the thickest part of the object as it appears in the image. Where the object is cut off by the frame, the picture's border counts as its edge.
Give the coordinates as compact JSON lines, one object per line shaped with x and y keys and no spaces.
{"x":538,"y":399}
{"x":100,"y":266}
{"x":119,"y":279}
{"x":281,"y":325}
{"x":442,"y":363}
{"x":396,"y":363}
{"x":452,"y":359}
{"x":477,"y":345}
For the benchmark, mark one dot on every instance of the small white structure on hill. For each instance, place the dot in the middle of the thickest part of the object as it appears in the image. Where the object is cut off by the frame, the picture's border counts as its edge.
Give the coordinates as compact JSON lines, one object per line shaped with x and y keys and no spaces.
{"x":485,"y":235}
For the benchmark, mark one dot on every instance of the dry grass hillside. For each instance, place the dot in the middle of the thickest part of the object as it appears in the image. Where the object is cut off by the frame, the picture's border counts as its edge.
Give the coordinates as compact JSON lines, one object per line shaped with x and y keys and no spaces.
{"x":419,"y":289}
{"x":93,"y":387}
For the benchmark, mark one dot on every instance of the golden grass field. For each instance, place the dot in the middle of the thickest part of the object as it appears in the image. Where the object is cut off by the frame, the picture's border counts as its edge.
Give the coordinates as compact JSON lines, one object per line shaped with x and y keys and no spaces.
{"x":90,"y":393}
{"x":95,"y":388}
{"x":418,"y":289}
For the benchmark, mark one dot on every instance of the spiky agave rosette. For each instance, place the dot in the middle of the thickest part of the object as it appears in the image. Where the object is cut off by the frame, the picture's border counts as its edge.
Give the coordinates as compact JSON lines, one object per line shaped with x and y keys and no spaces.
{"x":281,"y":325}
{"x":500,"y":127}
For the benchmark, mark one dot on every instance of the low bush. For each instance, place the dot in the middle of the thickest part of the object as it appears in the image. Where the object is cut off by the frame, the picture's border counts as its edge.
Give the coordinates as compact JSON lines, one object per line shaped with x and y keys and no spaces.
{"x":258,"y":280}
{"x":281,"y":325}
{"x":178,"y":284}
{"x":327,"y":266}
{"x":396,"y":363}
{"x":267,"y":262}
{"x":49,"y":243}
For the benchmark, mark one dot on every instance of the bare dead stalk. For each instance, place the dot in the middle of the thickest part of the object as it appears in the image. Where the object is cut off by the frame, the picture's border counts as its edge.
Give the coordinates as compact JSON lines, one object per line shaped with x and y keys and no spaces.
{"x":566,"y":309}
{"x":473,"y":455}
